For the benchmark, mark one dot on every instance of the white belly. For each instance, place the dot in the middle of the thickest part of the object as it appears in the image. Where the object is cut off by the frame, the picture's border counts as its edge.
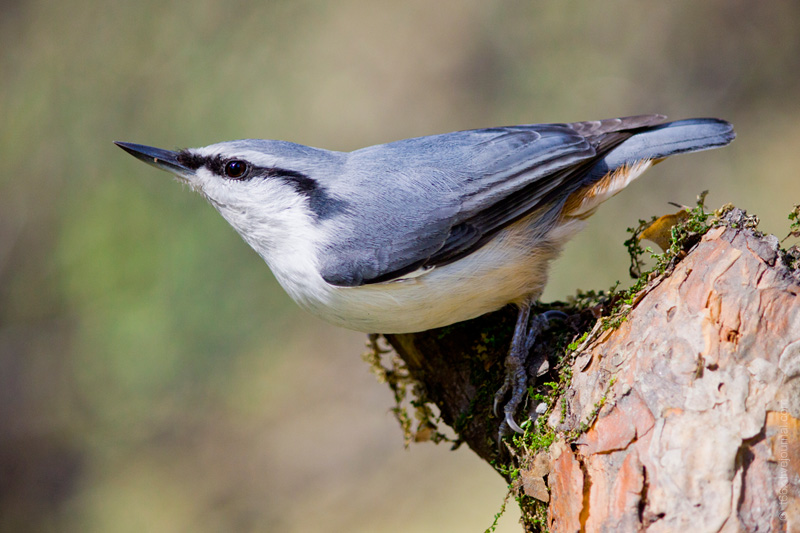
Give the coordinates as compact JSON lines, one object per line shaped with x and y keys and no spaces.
{"x":509,"y":269}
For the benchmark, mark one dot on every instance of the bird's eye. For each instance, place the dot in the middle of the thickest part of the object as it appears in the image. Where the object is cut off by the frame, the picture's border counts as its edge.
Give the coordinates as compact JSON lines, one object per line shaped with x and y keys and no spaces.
{"x":235,"y":169}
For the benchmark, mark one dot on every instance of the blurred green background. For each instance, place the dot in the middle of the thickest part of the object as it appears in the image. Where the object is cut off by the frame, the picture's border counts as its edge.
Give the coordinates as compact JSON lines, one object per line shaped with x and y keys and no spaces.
{"x":154,"y":377}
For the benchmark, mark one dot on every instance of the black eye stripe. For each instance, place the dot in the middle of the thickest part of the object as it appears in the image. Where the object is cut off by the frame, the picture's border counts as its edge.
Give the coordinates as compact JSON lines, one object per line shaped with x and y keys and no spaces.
{"x":301,"y":182}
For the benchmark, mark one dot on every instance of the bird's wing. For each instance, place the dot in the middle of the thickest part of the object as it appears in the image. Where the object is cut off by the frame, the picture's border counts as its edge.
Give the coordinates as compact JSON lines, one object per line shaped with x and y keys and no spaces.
{"x":429,"y":201}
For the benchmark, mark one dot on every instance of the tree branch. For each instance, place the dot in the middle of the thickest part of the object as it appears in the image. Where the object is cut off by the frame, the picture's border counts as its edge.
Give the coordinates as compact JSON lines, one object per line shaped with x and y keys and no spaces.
{"x":686,"y":416}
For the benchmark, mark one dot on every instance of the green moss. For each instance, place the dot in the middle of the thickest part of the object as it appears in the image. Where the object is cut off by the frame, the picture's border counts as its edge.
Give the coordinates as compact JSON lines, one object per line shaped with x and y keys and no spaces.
{"x":794,"y":219}
{"x":791,"y":257}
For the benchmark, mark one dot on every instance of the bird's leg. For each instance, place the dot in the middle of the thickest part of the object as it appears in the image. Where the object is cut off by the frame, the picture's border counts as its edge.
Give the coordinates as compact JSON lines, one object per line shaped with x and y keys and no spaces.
{"x":516,"y":377}
{"x":525,"y":333}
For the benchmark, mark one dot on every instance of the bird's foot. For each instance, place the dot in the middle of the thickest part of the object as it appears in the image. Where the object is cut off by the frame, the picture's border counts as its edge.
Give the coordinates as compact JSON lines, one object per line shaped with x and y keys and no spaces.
{"x":525,"y":333}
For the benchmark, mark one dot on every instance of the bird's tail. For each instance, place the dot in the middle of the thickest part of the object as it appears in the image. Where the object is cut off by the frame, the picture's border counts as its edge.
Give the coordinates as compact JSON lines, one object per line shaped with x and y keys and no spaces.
{"x":632,"y":157}
{"x":664,"y":140}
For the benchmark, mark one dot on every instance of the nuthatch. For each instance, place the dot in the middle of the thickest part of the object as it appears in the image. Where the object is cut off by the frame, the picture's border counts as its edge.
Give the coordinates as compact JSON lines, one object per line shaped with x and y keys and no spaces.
{"x":425,"y":232}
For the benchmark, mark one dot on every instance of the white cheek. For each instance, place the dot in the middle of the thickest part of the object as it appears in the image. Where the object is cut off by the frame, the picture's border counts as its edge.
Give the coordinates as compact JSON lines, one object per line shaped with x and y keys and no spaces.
{"x":267,"y":212}
{"x":249,"y":205}
{"x":203,"y":182}
{"x":250,"y":196}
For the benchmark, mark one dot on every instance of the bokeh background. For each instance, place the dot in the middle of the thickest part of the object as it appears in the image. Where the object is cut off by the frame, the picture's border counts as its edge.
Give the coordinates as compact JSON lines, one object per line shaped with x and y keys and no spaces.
{"x":154,"y":377}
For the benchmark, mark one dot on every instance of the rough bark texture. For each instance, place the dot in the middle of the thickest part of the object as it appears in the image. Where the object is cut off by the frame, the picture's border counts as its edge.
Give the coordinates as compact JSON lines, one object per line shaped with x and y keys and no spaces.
{"x":699,"y":428}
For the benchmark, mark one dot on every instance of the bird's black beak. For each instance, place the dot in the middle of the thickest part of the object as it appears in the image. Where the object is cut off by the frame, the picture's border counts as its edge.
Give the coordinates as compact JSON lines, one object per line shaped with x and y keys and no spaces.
{"x":163,"y":159}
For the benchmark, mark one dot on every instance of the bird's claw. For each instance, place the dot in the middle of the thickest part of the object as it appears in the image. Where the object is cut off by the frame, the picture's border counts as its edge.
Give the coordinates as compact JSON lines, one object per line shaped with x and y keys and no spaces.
{"x":516,"y":378}
{"x":510,"y":422}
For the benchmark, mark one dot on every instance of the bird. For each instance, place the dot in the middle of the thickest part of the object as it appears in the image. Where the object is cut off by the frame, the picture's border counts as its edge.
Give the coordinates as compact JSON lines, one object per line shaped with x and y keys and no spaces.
{"x":426,"y":232}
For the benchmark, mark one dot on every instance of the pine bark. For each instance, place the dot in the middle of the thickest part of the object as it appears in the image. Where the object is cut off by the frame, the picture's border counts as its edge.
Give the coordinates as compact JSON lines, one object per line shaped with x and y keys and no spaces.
{"x":685,"y":417}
